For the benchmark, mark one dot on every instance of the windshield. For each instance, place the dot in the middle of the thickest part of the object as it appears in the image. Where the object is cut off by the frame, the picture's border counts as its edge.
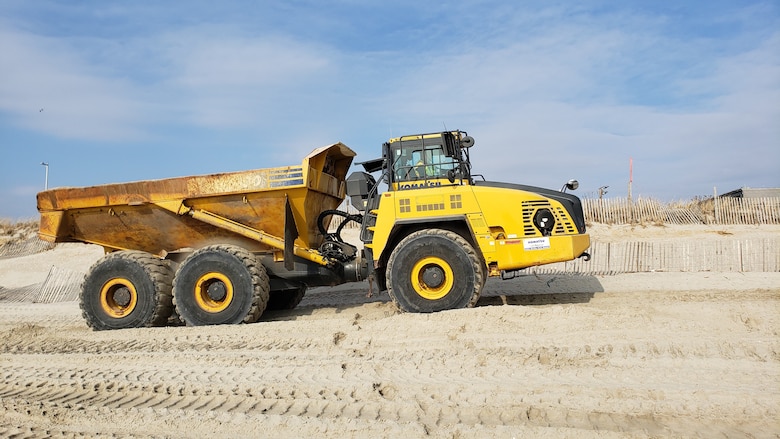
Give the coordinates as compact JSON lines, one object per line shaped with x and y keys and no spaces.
{"x":414,"y":161}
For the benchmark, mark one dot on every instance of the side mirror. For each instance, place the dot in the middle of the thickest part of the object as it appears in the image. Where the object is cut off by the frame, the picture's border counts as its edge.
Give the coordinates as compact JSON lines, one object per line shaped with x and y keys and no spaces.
{"x":467,"y":142}
{"x":571,"y":185}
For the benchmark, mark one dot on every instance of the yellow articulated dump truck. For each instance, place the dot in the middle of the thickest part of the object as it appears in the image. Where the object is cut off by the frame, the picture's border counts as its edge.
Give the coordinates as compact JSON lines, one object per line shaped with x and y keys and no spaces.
{"x":223,"y":248}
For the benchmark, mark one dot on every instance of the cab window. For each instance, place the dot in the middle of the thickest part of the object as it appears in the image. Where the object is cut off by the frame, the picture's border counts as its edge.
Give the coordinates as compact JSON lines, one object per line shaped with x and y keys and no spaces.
{"x":421,"y":162}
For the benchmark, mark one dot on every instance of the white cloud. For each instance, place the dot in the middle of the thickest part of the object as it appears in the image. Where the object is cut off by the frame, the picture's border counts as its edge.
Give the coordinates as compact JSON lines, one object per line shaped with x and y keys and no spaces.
{"x":109,"y":90}
{"x":245,"y":62}
{"x":41,"y":73}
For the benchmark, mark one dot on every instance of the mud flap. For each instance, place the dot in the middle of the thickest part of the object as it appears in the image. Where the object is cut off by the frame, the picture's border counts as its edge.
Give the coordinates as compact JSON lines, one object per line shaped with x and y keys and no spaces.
{"x":290,"y":235}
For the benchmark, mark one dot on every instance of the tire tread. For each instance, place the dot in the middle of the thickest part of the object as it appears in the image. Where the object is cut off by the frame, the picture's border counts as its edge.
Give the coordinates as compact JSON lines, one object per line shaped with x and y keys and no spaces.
{"x":159,"y":272}
{"x":474,"y":258}
{"x":260,"y":279}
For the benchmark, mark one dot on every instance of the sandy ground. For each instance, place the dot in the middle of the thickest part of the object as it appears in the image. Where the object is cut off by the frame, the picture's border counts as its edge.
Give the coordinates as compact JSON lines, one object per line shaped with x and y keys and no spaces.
{"x":634,"y":355}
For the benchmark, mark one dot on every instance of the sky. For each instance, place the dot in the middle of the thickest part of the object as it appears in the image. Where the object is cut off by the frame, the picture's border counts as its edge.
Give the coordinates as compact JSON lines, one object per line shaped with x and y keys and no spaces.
{"x":115,"y":91}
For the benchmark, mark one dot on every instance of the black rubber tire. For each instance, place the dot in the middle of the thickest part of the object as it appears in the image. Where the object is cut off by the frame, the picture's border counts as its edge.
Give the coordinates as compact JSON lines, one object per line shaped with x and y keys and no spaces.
{"x":448,"y":258}
{"x":237,"y":270}
{"x":285,"y":300}
{"x":146,"y":283}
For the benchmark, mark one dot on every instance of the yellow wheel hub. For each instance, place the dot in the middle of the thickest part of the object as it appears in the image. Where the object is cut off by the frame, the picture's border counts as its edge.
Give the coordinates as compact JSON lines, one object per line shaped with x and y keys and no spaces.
{"x":118,"y":297}
{"x":432,"y":278}
{"x":213,"y":292}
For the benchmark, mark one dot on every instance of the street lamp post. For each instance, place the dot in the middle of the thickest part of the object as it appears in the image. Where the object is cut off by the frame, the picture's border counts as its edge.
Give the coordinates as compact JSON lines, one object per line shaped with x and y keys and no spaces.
{"x":46,"y":182}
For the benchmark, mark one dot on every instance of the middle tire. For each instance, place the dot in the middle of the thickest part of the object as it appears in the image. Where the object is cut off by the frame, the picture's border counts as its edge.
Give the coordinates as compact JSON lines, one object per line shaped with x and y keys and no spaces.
{"x":433,"y":270}
{"x":220,"y":284}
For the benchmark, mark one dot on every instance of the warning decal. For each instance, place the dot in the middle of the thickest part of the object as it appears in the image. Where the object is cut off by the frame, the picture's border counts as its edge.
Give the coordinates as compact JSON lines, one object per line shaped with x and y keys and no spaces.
{"x":536,"y":244}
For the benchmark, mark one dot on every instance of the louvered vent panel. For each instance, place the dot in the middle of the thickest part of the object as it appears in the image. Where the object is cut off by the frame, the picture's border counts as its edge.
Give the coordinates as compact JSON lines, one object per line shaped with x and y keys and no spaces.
{"x":529,"y":207}
{"x":563,"y":224}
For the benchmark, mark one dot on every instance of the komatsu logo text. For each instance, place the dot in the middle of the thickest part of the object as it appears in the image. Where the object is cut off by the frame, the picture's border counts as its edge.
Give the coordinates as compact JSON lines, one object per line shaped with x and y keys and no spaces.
{"x":419,"y":185}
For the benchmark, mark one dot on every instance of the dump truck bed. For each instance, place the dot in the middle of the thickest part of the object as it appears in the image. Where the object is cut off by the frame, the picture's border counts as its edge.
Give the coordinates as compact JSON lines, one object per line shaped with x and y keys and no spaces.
{"x":151,"y":215}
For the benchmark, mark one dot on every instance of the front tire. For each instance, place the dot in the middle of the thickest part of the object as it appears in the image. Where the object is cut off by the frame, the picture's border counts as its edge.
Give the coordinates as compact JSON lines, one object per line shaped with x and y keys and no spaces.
{"x":434,"y":270}
{"x":127,"y":289}
{"x":220,"y":284}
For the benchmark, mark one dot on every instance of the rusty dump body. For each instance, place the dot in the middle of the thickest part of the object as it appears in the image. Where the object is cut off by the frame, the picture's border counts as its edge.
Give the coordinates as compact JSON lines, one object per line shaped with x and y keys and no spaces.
{"x":246,"y":208}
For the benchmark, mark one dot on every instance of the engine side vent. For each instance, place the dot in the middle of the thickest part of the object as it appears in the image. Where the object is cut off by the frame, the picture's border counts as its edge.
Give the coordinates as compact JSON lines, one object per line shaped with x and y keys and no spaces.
{"x":563,"y":223}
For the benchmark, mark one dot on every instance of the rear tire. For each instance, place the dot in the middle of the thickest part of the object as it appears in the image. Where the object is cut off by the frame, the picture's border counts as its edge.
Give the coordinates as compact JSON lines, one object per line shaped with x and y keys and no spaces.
{"x":220,"y":284}
{"x":434,"y":270}
{"x":127,"y":289}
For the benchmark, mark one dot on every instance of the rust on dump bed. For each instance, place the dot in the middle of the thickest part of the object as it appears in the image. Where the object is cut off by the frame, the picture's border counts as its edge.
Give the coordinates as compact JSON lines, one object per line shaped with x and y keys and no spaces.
{"x":151,"y":215}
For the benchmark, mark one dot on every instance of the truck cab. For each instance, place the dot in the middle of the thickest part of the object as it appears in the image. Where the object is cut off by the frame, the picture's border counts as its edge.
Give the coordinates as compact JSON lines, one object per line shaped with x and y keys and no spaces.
{"x":427,"y":160}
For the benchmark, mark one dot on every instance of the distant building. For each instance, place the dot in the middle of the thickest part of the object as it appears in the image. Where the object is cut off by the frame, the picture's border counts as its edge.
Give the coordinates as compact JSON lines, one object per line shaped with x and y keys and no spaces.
{"x":758,"y":192}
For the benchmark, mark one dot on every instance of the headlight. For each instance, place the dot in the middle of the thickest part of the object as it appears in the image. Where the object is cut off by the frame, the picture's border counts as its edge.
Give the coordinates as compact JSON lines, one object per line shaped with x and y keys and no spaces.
{"x":544,"y":221}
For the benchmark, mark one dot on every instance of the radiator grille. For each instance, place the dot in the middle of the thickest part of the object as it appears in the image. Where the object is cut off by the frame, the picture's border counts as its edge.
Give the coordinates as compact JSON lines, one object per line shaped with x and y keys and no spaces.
{"x":563,"y":224}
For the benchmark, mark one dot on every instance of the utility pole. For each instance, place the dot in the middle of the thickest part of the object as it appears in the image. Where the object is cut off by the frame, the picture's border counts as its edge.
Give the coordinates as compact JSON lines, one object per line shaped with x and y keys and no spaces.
{"x":630,"y":180}
{"x":630,"y":176}
{"x":46,"y":181}
{"x":715,"y":204}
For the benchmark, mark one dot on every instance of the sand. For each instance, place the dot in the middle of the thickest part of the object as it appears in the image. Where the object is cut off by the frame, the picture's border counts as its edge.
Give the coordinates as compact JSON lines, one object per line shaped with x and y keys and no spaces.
{"x":631,"y":355}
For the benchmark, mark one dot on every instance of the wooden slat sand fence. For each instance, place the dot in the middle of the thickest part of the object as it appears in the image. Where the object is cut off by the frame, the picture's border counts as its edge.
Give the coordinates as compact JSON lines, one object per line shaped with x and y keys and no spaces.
{"x":686,"y":255}
{"x":23,"y":248}
{"x":60,"y":285}
{"x":727,"y":210}
{"x":19,"y":295}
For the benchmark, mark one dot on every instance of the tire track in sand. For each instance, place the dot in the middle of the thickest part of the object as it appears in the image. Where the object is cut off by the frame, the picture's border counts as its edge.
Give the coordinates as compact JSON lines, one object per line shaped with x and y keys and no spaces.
{"x":590,"y":379}
{"x":195,"y":393}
